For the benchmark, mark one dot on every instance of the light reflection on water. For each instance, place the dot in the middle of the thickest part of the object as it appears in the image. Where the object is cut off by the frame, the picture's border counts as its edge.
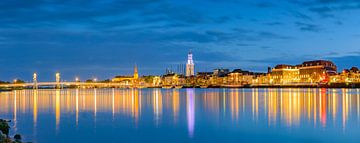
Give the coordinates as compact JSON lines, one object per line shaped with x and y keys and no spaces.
{"x":188,"y":115}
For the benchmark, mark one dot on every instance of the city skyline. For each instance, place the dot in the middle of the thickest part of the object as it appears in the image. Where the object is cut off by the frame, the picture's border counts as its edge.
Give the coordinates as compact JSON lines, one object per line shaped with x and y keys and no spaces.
{"x":188,"y":70}
{"x":104,"y":39}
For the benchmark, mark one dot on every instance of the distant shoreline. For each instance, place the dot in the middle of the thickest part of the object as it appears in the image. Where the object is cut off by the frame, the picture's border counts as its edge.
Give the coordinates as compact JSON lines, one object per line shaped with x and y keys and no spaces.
{"x":332,"y":85}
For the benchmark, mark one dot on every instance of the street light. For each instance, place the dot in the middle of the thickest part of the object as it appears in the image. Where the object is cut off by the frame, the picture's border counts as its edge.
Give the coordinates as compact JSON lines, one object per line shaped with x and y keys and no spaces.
{"x":77,"y":79}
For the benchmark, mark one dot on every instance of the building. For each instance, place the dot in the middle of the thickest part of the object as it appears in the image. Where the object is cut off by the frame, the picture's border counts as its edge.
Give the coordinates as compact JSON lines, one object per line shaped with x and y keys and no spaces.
{"x":203,"y":78}
{"x":128,"y":79}
{"x":316,"y":71}
{"x":284,"y":74}
{"x":239,"y":76}
{"x":190,"y":67}
{"x":172,"y":80}
{"x":308,"y":72}
{"x":221,"y":72}
{"x":346,"y":76}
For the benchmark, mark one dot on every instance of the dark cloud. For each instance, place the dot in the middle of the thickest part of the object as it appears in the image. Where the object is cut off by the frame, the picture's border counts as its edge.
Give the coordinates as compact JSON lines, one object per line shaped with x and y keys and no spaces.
{"x":308,"y":27}
{"x":270,"y":35}
{"x":264,"y":5}
{"x":61,"y":13}
{"x":300,"y":15}
{"x":274,"y":23}
{"x":265,"y":47}
{"x":245,"y":45}
{"x":323,"y":11}
{"x":90,"y":37}
{"x":346,"y":62}
{"x":329,"y":8}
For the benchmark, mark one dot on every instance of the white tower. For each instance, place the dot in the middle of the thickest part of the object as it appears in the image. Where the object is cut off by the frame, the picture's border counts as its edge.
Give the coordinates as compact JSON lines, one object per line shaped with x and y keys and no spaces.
{"x":190,"y":65}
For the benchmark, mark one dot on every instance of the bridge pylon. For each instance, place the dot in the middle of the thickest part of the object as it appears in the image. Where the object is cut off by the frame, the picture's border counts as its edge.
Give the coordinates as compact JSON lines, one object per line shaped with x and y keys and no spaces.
{"x":57,"y":76}
{"x":35,"y":86}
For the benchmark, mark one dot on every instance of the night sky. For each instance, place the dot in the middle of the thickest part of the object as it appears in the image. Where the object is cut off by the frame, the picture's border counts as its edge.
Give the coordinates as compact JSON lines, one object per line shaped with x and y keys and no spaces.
{"x":104,"y":38}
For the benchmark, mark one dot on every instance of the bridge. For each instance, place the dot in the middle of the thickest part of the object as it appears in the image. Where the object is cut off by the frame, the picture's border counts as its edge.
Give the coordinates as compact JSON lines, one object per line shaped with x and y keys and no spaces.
{"x":59,"y":84}
{"x":67,"y":84}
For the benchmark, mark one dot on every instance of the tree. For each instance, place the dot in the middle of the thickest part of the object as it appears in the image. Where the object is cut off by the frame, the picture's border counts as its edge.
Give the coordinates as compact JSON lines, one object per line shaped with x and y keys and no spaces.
{"x":4,"y":82}
{"x":106,"y":81}
{"x":4,"y":127}
{"x":19,"y":81}
{"x":17,"y":138}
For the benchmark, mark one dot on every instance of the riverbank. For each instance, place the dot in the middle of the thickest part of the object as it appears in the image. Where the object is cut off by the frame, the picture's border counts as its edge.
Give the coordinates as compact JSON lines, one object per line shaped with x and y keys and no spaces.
{"x":4,"y":133}
{"x":328,"y":85}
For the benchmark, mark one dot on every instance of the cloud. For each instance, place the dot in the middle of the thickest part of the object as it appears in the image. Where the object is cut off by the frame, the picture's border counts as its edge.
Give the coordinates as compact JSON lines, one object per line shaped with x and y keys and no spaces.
{"x":323,"y":11}
{"x":346,"y":62}
{"x":308,"y":27}
{"x":274,"y":23}
{"x":300,"y":15}
{"x":270,"y":35}
{"x":329,"y":8}
{"x":264,"y":5}
{"x":265,"y":47}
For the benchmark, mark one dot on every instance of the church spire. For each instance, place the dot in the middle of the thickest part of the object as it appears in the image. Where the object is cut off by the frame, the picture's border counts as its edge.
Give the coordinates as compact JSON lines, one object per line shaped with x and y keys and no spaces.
{"x":136,"y":74}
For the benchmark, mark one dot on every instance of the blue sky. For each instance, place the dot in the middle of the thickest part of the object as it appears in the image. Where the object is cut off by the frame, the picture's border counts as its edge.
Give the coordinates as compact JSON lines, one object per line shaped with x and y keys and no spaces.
{"x":103,"y":38}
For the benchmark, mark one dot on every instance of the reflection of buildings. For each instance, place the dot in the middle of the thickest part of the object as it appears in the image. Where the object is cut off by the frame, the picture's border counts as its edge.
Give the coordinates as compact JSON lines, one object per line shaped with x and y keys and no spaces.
{"x":290,"y":107}
{"x":157,"y":104}
{"x":190,"y":110}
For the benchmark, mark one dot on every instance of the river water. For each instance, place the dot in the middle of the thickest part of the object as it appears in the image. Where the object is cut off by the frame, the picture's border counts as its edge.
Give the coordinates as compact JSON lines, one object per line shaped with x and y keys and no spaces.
{"x":184,"y":115}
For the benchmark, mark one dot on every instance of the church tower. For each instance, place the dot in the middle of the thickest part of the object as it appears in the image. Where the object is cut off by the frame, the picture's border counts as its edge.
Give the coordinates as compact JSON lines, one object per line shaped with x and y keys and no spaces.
{"x":136,"y":74}
{"x":190,"y":65}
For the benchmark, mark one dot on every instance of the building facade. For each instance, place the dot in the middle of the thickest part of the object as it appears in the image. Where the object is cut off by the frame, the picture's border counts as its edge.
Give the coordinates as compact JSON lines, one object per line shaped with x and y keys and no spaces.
{"x":284,"y":74}
{"x":316,"y":71}
{"x":128,"y":79}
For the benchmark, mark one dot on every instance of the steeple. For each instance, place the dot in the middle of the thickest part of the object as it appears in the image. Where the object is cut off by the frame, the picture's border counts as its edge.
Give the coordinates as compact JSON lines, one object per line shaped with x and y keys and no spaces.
{"x":136,"y":74}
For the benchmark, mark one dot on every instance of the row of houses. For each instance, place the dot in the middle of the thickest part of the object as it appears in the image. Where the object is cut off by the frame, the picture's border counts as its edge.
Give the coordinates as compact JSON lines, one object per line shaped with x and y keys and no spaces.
{"x":306,"y":73}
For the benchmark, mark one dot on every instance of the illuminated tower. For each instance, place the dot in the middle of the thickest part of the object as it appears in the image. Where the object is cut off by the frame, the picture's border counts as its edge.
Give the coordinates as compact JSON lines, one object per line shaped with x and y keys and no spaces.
{"x":35,"y":81}
{"x":57,"y":77}
{"x":190,"y":65}
{"x":136,"y":77}
{"x":136,"y":74}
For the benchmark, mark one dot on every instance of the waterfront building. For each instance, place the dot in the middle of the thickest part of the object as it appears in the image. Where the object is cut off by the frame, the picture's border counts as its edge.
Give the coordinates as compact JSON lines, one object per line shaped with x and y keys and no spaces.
{"x":284,"y":74}
{"x":172,"y":80}
{"x":190,"y":67}
{"x":308,"y":72}
{"x":128,"y":79}
{"x":221,"y":72}
{"x":203,"y":78}
{"x":346,"y":76}
{"x":150,"y":81}
{"x":240,"y":77}
{"x":354,"y":75}
{"x":316,"y":71}
{"x":262,"y":79}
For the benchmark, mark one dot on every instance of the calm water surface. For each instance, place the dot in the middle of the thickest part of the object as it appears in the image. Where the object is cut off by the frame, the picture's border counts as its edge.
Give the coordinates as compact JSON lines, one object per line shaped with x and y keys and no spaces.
{"x":184,"y":115}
